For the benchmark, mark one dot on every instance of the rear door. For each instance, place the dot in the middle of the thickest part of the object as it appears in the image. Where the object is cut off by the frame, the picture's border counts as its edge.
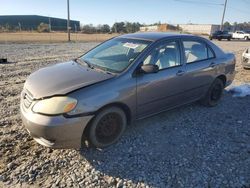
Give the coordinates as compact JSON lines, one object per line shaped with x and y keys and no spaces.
{"x":200,"y":67}
{"x":164,"y":89}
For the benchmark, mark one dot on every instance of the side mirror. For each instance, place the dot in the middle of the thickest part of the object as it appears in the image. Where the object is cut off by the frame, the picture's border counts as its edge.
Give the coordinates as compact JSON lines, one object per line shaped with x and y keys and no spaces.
{"x":149,"y":68}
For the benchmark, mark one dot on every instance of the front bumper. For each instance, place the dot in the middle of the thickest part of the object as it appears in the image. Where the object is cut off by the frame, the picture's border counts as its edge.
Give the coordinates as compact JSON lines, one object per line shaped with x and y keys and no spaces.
{"x":55,"y":131}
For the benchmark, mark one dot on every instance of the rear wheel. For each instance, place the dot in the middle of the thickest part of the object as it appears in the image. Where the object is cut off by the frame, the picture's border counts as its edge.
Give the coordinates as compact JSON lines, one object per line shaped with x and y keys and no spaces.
{"x":219,"y":39}
{"x":229,"y":39}
{"x":214,"y":93}
{"x":246,"y":38}
{"x":107,"y":127}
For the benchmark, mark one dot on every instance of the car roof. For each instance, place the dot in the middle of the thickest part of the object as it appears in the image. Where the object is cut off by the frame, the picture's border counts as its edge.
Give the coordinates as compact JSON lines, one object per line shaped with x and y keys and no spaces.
{"x":152,"y":36}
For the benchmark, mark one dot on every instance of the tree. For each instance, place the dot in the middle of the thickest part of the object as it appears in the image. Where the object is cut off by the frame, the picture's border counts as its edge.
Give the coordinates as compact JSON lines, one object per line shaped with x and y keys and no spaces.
{"x":245,"y":26}
{"x":227,"y":26}
{"x":119,"y":27}
{"x":133,"y":27}
{"x":89,"y":29}
{"x":126,"y":27}
{"x":105,"y":28}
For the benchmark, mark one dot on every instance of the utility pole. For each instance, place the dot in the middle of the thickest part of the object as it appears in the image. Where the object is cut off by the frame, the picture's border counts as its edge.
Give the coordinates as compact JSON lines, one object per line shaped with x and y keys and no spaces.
{"x":68,"y":22}
{"x":222,"y":21}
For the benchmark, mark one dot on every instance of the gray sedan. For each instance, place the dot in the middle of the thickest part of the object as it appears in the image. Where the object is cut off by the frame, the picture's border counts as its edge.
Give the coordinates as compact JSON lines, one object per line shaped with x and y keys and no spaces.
{"x":130,"y":77}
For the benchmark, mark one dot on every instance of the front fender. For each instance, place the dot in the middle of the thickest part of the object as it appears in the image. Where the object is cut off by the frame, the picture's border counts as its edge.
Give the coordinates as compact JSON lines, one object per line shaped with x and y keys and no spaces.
{"x":92,"y":98}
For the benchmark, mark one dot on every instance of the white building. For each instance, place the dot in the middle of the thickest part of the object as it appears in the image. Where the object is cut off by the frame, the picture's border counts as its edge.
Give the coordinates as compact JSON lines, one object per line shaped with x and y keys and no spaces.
{"x":161,"y":27}
{"x":149,"y":28}
{"x":199,"y":28}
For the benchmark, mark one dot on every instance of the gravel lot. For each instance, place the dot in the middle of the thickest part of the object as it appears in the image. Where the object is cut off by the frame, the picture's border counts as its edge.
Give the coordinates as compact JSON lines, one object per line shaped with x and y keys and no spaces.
{"x":191,"y":146}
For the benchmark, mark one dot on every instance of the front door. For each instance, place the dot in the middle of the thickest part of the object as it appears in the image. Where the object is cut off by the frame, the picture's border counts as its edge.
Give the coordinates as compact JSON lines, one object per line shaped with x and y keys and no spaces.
{"x":162,"y":90}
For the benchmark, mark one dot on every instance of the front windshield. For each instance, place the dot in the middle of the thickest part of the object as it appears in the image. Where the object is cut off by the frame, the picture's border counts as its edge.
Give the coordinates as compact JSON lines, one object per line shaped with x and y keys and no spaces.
{"x":115,"y":55}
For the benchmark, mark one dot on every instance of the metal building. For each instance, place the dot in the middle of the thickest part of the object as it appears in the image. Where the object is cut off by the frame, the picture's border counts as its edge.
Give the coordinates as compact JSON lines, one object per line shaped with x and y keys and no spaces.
{"x":31,"y":22}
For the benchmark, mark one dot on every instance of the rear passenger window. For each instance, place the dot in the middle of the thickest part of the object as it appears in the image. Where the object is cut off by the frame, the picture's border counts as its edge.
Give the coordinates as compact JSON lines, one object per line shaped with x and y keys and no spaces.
{"x":197,"y":51}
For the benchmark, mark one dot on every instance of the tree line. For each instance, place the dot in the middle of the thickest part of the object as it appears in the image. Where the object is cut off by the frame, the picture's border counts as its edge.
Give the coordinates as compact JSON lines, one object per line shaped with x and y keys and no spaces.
{"x":118,"y":27}
{"x":245,"y":26}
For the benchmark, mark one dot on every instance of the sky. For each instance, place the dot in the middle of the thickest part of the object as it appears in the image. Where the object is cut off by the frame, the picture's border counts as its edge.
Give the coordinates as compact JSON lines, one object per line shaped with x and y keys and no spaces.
{"x":143,"y":11}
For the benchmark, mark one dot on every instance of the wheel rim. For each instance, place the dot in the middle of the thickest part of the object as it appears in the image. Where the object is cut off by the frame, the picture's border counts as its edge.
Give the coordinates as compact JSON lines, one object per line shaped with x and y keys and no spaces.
{"x":216,"y":93}
{"x":108,"y":128}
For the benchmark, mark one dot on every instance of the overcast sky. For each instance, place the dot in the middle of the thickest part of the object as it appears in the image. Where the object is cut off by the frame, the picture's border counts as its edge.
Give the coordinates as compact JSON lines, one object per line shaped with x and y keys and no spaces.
{"x":143,"y":11}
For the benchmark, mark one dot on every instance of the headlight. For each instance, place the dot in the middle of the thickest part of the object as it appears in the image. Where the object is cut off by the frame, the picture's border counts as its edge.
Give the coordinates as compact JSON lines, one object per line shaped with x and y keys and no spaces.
{"x":55,"y":105}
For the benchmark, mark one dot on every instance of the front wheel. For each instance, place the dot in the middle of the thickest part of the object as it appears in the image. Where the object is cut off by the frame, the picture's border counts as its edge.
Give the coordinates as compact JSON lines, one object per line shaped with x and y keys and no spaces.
{"x":214,"y":93}
{"x":107,"y":127}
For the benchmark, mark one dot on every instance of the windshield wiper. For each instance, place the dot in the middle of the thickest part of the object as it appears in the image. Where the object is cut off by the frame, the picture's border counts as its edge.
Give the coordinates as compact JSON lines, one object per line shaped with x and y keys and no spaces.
{"x":90,"y":65}
{"x":103,"y":69}
{"x":79,"y":60}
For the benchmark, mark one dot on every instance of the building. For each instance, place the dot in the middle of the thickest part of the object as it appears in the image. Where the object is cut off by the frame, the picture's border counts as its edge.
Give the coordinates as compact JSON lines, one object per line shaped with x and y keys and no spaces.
{"x":31,"y":22}
{"x":160,"y":27}
{"x":199,"y":28}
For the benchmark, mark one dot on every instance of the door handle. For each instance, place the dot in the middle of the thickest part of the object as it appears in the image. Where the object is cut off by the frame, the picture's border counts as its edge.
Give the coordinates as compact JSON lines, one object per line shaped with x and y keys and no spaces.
{"x":180,"y":73}
{"x":212,"y":65}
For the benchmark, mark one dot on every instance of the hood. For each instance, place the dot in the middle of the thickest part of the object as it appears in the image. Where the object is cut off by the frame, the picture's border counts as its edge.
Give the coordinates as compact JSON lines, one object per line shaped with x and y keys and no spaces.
{"x":61,"y":79}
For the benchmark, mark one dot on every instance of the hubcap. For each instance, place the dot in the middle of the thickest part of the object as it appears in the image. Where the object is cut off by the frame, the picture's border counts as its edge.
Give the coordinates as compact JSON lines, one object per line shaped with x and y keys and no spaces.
{"x":108,"y":128}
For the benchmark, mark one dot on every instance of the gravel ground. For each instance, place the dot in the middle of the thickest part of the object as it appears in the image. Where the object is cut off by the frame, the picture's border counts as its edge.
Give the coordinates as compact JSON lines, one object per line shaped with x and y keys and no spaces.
{"x":191,"y":146}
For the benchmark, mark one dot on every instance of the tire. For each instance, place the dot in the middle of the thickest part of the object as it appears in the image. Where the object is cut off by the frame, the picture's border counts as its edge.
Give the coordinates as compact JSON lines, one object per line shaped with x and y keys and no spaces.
{"x":107,"y":127}
{"x":228,"y":39}
{"x":214,"y":93}
{"x":219,"y":39}
{"x":246,"y":38}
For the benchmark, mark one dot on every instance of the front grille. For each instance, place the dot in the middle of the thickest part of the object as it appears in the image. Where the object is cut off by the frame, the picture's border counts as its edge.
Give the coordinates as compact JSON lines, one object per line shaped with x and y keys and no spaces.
{"x":27,"y":98}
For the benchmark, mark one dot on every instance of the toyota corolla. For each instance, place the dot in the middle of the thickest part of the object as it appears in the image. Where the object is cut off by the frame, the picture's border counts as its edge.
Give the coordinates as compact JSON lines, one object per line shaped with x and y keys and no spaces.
{"x":127,"y":78}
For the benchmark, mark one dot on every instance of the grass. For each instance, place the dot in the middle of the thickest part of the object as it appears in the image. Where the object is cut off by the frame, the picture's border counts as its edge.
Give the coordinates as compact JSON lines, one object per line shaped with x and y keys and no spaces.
{"x":27,"y":37}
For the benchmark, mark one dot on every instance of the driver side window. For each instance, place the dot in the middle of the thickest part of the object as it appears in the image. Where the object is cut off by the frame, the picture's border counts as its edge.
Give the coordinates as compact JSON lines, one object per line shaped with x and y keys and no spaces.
{"x":164,"y":56}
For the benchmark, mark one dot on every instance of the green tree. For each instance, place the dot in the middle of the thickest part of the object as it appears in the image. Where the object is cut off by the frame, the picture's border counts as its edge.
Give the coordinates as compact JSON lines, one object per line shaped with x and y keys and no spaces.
{"x":119,"y":27}
{"x":89,"y":29}
{"x":105,"y":28}
{"x":227,"y":26}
